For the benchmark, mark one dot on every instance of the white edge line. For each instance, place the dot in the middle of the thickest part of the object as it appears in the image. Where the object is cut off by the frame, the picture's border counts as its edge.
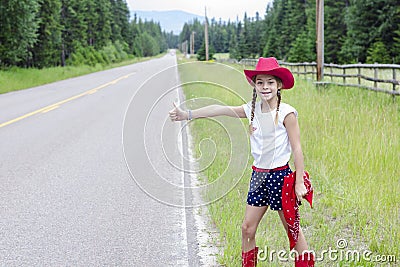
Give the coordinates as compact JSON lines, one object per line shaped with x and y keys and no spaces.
{"x":205,"y":235}
{"x":180,"y":148}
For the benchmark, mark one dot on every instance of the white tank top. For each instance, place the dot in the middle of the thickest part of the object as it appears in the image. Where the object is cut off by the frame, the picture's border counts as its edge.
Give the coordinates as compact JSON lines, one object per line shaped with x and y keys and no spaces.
{"x":270,"y":146}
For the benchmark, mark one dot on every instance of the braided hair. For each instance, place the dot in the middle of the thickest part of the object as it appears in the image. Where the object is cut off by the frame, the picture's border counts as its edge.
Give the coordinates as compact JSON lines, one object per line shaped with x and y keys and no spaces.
{"x":277,"y":107}
{"x":253,"y":105}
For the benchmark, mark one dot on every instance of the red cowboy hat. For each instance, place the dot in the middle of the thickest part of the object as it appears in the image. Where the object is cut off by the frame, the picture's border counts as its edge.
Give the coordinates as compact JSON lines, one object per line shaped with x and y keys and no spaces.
{"x":271,"y":66}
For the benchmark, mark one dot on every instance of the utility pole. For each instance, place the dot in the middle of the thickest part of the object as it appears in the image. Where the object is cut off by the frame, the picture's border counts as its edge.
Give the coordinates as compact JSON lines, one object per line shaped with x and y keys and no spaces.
{"x":320,"y":39}
{"x":185,"y":48}
{"x":206,"y":32}
{"x":192,"y":43}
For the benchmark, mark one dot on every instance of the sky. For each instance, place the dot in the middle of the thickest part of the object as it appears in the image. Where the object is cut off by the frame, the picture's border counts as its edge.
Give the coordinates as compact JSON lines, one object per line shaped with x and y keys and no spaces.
{"x":225,"y":9}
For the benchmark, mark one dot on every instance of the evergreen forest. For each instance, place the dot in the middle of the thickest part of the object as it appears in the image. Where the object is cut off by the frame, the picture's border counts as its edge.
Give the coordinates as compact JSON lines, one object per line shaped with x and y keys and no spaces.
{"x":47,"y":33}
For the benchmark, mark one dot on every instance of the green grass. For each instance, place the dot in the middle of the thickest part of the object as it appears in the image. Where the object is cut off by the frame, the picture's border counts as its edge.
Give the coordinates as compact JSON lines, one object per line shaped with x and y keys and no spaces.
{"x":221,"y":56}
{"x":350,"y":140}
{"x":14,"y":79}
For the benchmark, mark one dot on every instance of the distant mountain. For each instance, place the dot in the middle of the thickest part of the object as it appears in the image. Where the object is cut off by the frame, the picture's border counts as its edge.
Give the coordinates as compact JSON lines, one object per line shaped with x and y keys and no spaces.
{"x":169,"y":20}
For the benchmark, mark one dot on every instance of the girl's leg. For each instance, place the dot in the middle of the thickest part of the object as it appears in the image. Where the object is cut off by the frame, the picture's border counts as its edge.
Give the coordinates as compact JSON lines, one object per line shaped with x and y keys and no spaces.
{"x":252,"y":218}
{"x":301,"y":244}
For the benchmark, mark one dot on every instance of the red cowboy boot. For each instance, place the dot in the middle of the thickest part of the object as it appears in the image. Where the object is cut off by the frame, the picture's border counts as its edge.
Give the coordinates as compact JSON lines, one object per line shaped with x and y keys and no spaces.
{"x":249,"y":258}
{"x":304,"y":260}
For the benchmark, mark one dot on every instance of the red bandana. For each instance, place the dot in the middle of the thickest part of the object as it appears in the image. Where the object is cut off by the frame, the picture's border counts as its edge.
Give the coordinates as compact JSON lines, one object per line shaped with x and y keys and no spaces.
{"x":290,"y":205}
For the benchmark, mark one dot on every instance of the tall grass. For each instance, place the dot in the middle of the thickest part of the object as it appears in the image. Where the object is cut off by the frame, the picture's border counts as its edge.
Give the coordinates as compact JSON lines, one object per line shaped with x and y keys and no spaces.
{"x":19,"y":78}
{"x":14,"y":79}
{"x":350,"y":140}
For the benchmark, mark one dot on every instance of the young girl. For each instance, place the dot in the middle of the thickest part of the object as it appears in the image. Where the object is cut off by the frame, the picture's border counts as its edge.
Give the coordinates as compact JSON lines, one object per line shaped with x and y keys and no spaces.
{"x":274,"y":135}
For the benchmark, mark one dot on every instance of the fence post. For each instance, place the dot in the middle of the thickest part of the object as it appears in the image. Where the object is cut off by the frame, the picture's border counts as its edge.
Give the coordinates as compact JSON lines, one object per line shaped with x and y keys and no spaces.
{"x":359,"y":74}
{"x":316,"y":74}
{"x":331,"y":71}
{"x":394,"y":80}
{"x":376,"y":76}
{"x":344,"y":76}
{"x":305,"y":71}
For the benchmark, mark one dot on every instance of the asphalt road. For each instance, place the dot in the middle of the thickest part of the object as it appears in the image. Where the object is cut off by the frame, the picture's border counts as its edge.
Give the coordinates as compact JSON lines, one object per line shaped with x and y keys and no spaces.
{"x":88,"y":179}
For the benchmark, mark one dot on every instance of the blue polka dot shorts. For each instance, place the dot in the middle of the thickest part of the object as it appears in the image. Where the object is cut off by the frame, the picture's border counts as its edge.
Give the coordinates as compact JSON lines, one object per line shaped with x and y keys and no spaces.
{"x":266,"y":188}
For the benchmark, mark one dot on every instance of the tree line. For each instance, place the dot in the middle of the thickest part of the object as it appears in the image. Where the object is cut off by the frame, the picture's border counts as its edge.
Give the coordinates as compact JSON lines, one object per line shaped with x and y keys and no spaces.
{"x":365,"y":31}
{"x":46,"y":33}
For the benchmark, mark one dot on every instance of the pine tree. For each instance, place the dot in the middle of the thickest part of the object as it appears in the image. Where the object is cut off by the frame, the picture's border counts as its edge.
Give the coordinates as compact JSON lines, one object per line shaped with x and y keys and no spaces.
{"x":242,"y":40}
{"x":134,"y":46}
{"x":149,"y":45}
{"x":198,"y":28}
{"x":396,"y":47}
{"x":19,"y":24}
{"x":275,"y":30}
{"x":201,"y":53}
{"x":367,"y":22}
{"x":378,"y":52}
{"x":233,"y":50}
{"x":218,"y":36}
{"x":120,"y":21}
{"x":334,"y":29}
{"x":185,"y":33}
{"x":74,"y":31}
{"x":99,"y":23}
{"x":301,"y":49}
{"x":47,"y":50}
{"x":389,"y":25}
{"x":258,"y":35}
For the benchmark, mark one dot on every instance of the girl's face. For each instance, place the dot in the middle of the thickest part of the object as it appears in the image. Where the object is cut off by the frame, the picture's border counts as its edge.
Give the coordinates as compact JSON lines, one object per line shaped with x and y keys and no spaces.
{"x":267,"y":87}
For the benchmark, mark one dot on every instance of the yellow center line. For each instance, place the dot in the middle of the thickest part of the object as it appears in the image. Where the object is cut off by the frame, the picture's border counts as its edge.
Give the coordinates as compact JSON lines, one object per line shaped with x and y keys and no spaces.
{"x":49,"y":109}
{"x":92,"y":91}
{"x":56,"y":105}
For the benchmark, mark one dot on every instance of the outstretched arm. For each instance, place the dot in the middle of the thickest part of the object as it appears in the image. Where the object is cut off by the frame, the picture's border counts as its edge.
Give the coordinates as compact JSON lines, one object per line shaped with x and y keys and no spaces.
{"x":177,"y":114}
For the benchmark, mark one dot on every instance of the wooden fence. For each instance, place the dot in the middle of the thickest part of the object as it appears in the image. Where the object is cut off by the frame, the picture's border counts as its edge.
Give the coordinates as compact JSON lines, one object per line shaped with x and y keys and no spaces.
{"x":377,"y":77}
